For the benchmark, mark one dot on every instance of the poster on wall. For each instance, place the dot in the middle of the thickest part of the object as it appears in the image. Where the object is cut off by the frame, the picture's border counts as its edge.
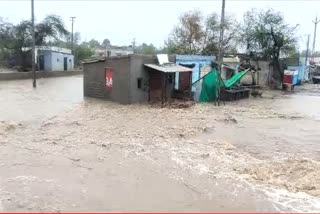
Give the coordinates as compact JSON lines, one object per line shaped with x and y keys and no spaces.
{"x":108,"y":75}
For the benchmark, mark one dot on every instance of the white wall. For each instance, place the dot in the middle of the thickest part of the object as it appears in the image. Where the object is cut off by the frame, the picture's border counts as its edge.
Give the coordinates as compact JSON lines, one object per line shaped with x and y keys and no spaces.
{"x":58,"y":61}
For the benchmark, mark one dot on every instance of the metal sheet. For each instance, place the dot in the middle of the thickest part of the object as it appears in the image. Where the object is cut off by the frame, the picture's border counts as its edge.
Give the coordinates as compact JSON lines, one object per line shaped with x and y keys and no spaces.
{"x":169,"y":68}
{"x":163,"y":58}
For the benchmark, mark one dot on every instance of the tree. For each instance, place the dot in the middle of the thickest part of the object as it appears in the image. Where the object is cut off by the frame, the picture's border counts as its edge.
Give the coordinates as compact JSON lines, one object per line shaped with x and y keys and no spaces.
{"x":93,"y":43}
{"x":106,"y":43}
{"x":198,"y":35}
{"x":187,"y":36}
{"x":212,"y":34}
{"x":267,"y":32}
{"x":82,"y":52}
{"x":17,"y":37}
{"x":146,"y":49}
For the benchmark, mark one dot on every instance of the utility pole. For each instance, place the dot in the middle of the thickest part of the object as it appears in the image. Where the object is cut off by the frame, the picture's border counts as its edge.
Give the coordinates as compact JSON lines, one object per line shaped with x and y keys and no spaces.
{"x":221,"y":46}
{"x":134,"y":45}
{"x":307,"y":52}
{"x":315,"y":35}
{"x":33,"y":46}
{"x":72,"y":20}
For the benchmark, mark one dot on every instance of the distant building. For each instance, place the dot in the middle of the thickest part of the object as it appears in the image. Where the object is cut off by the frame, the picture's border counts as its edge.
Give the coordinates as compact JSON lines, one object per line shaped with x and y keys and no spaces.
{"x":48,"y":58}
{"x":111,"y":51}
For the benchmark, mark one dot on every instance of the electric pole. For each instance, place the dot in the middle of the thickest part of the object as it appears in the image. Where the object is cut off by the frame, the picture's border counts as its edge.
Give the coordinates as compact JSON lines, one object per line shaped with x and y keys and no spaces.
{"x":134,"y":45}
{"x":315,"y":35}
{"x":33,"y":46}
{"x":72,"y":20}
{"x":307,"y":52}
{"x":221,"y":46}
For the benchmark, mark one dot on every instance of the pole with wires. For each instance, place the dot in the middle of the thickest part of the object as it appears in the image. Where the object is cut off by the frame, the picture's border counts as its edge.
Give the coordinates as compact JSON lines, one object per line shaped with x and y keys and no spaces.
{"x":220,"y":57}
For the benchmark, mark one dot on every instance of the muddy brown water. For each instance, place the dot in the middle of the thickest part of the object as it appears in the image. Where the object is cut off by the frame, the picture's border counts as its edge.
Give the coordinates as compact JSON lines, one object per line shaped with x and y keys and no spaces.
{"x":61,"y":152}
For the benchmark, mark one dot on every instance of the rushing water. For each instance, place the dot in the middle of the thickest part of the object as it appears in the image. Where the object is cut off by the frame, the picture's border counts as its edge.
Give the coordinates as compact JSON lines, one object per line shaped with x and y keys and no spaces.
{"x":61,"y":152}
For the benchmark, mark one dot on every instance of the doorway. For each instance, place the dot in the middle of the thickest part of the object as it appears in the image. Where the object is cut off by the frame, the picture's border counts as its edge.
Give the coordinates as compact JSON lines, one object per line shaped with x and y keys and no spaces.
{"x":65,"y":63}
{"x":41,"y":62}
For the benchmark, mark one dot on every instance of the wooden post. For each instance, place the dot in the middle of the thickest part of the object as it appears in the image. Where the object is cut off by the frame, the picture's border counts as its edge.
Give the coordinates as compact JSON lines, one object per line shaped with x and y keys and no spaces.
{"x":162,"y":83}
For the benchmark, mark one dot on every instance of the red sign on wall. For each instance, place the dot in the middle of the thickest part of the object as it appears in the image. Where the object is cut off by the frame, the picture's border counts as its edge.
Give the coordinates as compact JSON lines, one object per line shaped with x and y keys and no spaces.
{"x":108,"y":75}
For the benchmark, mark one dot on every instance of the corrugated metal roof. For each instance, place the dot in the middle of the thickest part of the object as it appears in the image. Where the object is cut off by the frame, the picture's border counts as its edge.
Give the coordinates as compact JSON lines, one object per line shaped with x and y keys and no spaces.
{"x":171,"y":68}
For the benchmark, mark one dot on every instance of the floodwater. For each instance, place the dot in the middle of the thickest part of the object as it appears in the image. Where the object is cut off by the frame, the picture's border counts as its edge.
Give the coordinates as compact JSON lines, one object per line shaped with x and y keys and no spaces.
{"x":61,"y":152}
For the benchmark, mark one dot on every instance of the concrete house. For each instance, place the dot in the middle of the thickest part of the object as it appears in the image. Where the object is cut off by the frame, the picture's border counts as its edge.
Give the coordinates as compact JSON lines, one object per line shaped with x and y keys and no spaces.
{"x":46,"y":58}
{"x":54,"y":59}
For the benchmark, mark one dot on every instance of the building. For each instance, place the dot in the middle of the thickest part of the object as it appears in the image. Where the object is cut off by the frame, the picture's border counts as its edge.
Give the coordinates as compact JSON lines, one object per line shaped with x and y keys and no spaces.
{"x":200,"y":65}
{"x":111,"y":51}
{"x":54,"y":59}
{"x":48,"y":58}
{"x":131,"y":79}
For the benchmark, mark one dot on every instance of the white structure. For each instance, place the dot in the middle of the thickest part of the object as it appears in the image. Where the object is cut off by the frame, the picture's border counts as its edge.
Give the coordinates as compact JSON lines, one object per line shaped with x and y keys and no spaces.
{"x":53,"y":58}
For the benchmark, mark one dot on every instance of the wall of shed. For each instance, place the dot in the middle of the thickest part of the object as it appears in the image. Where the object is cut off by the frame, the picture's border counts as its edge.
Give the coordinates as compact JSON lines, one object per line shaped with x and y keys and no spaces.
{"x":95,"y":83}
{"x":121,"y":79}
{"x":138,"y":70}
{"x":94,"y":80}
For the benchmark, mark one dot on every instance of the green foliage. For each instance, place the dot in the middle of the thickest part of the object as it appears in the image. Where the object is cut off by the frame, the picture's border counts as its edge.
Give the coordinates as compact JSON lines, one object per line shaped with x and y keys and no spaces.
{"x":267,"y":32}
{"x":82,"y":52}
{"x":16,"y":37}
{"x":146,"y":49}
{"x":198,"y":35}
{"x":92,"y":43}
{"x":106,"y":42}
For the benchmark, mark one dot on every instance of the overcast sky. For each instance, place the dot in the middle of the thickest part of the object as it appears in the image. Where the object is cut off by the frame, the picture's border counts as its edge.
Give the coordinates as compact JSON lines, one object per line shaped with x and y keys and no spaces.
{"x":151,"y":21}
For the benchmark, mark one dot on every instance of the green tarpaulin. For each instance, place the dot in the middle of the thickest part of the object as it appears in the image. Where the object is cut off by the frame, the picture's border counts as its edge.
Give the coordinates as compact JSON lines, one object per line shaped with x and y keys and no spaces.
{"x":209,"y":90}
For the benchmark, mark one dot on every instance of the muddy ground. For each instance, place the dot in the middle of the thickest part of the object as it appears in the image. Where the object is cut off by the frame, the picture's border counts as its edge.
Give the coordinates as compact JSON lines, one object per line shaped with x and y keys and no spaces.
{"x":61,"y":152}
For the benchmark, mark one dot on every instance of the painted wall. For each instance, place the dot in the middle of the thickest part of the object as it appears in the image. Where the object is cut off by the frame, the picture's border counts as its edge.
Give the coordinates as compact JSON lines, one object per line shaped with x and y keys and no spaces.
{"x":137,"y":70}
{"x":202,"y":64}
{"x":47,"y":60}
{"x":57,"y":61}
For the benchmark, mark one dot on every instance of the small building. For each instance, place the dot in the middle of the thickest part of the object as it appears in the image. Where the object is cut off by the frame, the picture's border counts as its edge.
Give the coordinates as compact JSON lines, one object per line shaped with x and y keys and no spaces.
{"x":54,"y":59}
{"x":48,"y":58}
{"x":131,"y":79}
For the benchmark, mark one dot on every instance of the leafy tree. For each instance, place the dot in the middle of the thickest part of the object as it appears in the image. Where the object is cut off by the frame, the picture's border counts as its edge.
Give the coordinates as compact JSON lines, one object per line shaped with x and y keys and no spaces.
{"x":92,"y":43}
{"x":198,"y":35}
{"x":82,"y":52}
{"x":146,"y":49}
{"x":106,"y":42}
{"x":212,"y":34}
{"x":17,"y":37}
{"x":187,"y":36}
{"x":267,"y":32}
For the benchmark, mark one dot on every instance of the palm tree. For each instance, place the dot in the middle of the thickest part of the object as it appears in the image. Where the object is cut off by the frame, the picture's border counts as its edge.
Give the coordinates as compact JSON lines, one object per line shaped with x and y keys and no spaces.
{"x":17,"y":37}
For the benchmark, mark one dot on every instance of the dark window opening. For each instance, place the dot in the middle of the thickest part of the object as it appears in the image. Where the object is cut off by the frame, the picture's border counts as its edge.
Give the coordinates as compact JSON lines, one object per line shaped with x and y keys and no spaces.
{"x":170,"y":78}
{"x":139,"y":82}
{"x":69,"y":60}
{"x":57,"y":60}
